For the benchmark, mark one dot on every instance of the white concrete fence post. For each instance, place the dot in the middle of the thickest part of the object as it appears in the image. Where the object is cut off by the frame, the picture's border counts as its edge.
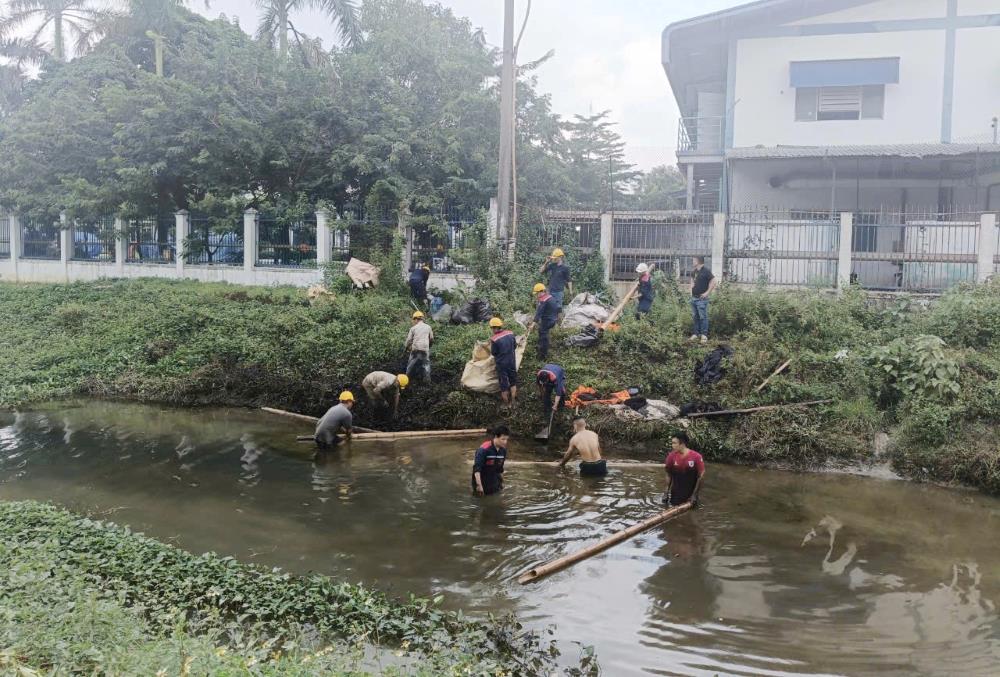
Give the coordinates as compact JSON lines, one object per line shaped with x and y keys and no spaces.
{"x":987,"y":247}
{"x":719,"y":244}
{"x":608,"y":244}
{"x":324,"y":238}
{"x":16,"y":248}
{"x":182,"y":229}
{"x":121,"y":245}
{"x":65,"y":243}
{"x":494,"y":217}
{"x":250,"y":228}
{"x":844,"y":261}
{"x":407,"y":234}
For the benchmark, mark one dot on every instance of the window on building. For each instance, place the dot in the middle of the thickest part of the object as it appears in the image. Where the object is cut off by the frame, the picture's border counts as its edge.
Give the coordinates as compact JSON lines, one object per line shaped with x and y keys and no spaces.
{"x":865,"y":235}
{"x":863,"y":102}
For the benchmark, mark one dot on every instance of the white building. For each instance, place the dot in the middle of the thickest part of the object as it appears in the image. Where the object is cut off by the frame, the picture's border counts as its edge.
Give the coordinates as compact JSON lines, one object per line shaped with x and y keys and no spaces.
{"x":883,"y":108}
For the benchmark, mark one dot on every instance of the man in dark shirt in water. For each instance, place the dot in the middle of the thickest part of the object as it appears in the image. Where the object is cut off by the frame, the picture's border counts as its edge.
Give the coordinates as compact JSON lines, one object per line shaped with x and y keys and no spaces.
{"x":685,"y":470}
{"x":487,"y":470}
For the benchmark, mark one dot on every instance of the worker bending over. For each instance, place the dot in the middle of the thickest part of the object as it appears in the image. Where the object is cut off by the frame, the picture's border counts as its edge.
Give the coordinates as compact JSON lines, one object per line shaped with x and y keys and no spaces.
{"x":381,"y":386}
{"x":337,"y":418}
{"x":559,"y":275}
{"x":503,"y":347}
{"x":418,"y":283}
{"x":546,"y":316}
{"x":552,"y":387}
{"x":587,"y":444}
{"x":418,"y":343}
{"x":646,"y":291}
{"x":487,"y":469}
{"x":685,"y":470}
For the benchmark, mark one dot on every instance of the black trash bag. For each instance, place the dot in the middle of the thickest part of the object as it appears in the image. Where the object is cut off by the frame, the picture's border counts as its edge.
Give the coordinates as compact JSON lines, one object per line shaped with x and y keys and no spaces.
{"x":710,"y":370}
{"x":474,"y":310}
{"x":699,"y":408}
{"x":636,"y":403}
{"x":588,"y":336}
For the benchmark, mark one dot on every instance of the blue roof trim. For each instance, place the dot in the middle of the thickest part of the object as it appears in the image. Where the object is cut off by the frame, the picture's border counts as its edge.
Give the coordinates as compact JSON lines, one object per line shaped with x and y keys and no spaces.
{"x":845,"y":72}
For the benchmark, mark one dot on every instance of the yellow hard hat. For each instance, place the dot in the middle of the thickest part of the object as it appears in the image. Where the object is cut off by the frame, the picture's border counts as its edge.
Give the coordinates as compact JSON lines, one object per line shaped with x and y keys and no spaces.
{"x":425,"y":267}
{"x":418,"y":315}
{"x":347,"y":396}
{"x":496,"y":323}
{"x":403,"y":380}
{"x":538,"y":289}
{"x":558,"y":253}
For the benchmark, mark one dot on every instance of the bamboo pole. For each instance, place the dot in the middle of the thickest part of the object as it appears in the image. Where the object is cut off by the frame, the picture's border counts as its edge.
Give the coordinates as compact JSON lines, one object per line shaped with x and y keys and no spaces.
{"x":408,"y":435}
{"x":611,"y":464}
{"x":624,"y":302}
{"x":555,"y":565}
{"x":769,"y":407}
{"x":307,"y":419}
{"x":773,"y":374}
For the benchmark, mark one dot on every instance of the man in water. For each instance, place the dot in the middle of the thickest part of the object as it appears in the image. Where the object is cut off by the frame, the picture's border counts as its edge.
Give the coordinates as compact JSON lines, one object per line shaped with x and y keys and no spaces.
{"x":487,"y":470}
{"x":685,"y":470}
{"x":338,"y":418}
{"x":418,"y":342}
{"x":503,"y":347}
{"x":587,"y":444}
{"x":381,"y":386}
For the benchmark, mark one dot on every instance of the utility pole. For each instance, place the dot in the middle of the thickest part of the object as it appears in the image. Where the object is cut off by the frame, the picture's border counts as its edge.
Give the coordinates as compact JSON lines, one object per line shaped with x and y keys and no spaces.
{"x":505,"y":179}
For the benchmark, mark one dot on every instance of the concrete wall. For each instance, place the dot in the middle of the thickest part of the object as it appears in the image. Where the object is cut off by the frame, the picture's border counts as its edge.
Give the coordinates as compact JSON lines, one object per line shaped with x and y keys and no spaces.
{"x":882,"y":10}
{"x":977,"y":82}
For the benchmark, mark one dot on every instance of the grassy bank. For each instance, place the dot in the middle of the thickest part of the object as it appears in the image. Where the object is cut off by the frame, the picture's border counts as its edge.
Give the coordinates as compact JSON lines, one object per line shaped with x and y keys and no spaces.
{"x":928,"y":376}
{"x":86,"y":597}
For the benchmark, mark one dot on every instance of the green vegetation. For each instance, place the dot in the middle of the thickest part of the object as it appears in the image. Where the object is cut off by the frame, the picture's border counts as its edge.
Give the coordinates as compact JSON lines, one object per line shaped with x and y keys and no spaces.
{"x":87,"y":597}
{"x":196,"y":344}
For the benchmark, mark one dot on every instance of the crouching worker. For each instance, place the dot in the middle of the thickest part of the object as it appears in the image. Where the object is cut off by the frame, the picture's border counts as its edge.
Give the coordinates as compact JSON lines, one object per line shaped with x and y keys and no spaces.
{"x":418,"y":284}
{"x":487,"y":470}
{"x":381,"y":387}
{"x":685,"y":470}
{"x":587,"y":444}
{"x":552,"y":388}
{"x":503,"y":347}
{"x":338,"y":418}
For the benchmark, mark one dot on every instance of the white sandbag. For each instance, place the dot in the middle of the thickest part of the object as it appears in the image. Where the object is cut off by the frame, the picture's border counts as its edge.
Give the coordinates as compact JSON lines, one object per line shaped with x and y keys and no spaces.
{"x":655,"y":410}
{"x":523,"y":319}
{"x":584,"y":310}
{"x":480,"y":373}
{"x":443,"y":314}
{"x":362,"y":274}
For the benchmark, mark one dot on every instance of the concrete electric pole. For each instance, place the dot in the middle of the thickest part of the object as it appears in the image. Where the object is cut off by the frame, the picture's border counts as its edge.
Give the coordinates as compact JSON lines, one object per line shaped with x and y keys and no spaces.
{"x":505,"y":179}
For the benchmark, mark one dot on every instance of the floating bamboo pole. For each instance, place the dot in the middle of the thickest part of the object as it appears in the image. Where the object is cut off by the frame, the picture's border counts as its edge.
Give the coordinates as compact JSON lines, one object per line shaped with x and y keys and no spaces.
{"x":729,"y":412}
{"x":555,"y":565}
{"x":611,"y":464}
{"x":307,"y":419}
{"x":408,"y":435}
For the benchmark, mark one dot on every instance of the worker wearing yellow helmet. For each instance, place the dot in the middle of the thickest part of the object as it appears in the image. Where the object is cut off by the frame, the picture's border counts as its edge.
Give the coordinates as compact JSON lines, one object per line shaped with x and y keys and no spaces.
{"x":418,"y":345}
{"x":546,"y":316}
{"x":503,"y":346}
{"x":337,"y":418}
{"x":381,"y":387}
{"x":559,"y":275}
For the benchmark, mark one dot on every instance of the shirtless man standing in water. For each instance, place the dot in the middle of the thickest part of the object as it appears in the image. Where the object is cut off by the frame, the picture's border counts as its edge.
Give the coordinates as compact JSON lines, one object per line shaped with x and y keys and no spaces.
{"x":588,"y":445}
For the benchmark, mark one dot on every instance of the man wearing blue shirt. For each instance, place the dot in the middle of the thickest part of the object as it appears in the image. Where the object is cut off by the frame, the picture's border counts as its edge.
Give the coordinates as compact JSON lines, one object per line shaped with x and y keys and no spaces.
{"x":546,"y":317}
{"x":559,"y":275}
{"x":503,"y":347}
{"x":552,"y":387}
{"x":487,"y":469}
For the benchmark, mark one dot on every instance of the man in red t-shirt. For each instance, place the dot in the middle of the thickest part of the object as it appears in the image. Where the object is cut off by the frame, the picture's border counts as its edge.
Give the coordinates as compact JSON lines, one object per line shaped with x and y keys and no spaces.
{"x":685,"y":470}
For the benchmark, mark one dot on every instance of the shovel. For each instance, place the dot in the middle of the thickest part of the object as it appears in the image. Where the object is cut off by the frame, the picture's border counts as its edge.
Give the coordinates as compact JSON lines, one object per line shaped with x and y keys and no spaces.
{"x":543,"y":434}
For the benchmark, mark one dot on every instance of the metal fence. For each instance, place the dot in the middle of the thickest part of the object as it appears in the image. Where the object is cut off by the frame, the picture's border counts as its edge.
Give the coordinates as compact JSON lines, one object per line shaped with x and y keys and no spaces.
{"x":577,"y":230}
{"x":915,"y":249}
{"x":669,"y":239}
{"x":211,"y":243}
{"x":363,"y":234}
{"x":282,"y":243}
{"x":40,"y":240}
{"x":701,"y":134}
{"x":996,"y":249}
{"x":4,"y":236}
{"x":783,"y":247}
{"x":94,"y":239}
{"x":441,"y":246}
{"x":151,"y":240}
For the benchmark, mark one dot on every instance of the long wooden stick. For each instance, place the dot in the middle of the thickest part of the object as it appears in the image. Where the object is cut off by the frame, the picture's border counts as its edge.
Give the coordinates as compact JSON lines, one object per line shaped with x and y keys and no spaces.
{"x":611,"y":464}
{"x":729,"y":412}
{"x":308,"y":419}
{"x":408,"y":435}
{"x":628,"y":297}
{"x":544,"y":570}
{"x":773,"y":374}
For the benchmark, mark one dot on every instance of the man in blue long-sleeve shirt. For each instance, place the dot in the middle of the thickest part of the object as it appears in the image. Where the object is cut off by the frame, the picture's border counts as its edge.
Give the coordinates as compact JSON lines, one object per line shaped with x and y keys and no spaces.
{"x":559,"y":275}
{"x":503,"y":347}
{"x":546,"y":316}
{"x":552,"y":387}
{"x":646,"y":291}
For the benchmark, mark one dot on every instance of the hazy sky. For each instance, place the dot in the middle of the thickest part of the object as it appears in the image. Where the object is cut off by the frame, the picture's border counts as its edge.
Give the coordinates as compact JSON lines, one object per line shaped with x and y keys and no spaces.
{"x":607,"y":57}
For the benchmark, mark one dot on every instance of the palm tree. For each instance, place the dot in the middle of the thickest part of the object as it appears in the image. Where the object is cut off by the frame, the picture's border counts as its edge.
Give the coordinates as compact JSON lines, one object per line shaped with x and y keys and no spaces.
{"x":275,"y":22}
{"x":83,"y":23}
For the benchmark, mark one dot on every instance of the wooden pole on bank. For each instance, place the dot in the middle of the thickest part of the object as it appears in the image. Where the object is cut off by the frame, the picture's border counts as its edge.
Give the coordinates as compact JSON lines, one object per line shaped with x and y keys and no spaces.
{"x":624,"y":302}
{"x":731,"y":412}
{"x":555,"y":565}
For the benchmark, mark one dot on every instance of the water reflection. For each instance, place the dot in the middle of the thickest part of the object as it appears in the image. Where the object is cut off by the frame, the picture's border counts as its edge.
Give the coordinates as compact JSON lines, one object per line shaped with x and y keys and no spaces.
{"x":779,"y":574}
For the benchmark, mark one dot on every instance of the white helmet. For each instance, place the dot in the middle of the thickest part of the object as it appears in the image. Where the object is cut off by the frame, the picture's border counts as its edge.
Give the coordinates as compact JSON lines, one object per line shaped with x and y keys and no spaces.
{"x":642,"y":269}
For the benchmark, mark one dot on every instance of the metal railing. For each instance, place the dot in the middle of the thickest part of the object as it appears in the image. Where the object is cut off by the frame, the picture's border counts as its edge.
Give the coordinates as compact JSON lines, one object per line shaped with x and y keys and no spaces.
{"x":151,"y":240}
{"x":701,"y":134}
{"x":441,"y":248}
{"x":40,"y":240}
{"x":783,"y":247}
{"x":996,"y":249}
{"x":207,"y":245}
{"x":94,"y":240}
{"x":668,"y":239}
{"x":360,"y":233}
{"x":578,"y":230}
{"x":4,"y":236}
{"x":284,"y":244}
{"x":915,"y":249}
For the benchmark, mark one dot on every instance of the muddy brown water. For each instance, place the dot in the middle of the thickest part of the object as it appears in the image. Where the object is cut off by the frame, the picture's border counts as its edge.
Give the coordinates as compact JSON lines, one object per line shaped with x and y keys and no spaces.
{"x":778,"y":574}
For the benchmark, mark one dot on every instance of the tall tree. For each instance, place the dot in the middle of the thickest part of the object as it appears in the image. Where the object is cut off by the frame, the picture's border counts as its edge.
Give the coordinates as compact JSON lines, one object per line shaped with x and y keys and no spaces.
{"x":595,"y":157}
{"x":276,"y":24}
{"x":62,"y":20}
{"x":661,"y":188}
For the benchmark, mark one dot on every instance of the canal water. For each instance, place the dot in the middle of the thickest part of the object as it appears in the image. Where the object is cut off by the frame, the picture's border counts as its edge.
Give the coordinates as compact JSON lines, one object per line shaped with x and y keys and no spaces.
{"x":778,"y":573}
